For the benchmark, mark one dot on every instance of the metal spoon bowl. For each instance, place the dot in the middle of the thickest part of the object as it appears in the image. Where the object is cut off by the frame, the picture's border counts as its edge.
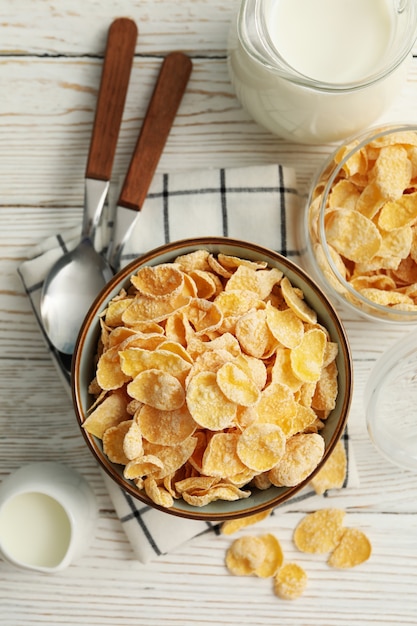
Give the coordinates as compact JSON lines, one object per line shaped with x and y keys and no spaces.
{"x":68,"y":293}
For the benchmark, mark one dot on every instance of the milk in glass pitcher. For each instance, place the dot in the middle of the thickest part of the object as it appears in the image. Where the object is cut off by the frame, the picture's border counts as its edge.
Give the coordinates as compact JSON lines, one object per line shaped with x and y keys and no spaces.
{"x":315,"y":71}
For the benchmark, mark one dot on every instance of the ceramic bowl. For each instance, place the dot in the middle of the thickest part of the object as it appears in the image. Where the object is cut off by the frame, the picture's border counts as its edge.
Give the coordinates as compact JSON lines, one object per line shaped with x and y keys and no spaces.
{"x":84,"y":362}
{"x":350,"y":244}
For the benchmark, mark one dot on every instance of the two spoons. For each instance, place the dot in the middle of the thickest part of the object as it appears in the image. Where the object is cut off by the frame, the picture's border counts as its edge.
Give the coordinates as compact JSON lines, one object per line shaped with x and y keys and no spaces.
{"x":66,"y":292}
{"x":77,"y":278}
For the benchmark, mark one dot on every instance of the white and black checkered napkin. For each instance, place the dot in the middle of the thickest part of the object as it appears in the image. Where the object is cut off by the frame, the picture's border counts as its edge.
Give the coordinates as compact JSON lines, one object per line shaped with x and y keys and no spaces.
{"x":257,"y":203}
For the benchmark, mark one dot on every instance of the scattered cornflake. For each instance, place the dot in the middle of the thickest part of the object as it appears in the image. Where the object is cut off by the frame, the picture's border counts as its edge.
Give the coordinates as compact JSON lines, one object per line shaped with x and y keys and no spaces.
{"x":232,"y":526}
{"x":245,"y":555}
{"x":353,"y":549}
{"x":319,"y":532}
{"x":333,"y":473}
{"x":273,"y":557}
{"x":290,"y":581}
{"x":255,"y":555}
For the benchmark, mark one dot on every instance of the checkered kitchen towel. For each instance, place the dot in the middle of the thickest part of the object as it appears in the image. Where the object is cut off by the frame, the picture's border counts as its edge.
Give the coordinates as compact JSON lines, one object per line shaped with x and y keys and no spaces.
{"x":259,"y":204}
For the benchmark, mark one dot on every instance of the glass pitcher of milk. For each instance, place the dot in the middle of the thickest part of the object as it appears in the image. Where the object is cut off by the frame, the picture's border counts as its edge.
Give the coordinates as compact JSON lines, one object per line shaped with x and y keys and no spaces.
{"x":315,"y":71}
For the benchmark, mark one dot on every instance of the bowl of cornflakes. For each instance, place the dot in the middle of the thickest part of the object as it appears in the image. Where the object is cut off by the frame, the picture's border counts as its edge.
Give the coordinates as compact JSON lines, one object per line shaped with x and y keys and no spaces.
{"x":212,"y":378}
{"x":360,"y":228}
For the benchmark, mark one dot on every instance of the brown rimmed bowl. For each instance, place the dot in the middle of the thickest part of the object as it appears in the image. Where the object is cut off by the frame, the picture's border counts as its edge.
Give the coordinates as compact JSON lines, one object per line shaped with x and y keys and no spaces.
{"x":83,"y":370}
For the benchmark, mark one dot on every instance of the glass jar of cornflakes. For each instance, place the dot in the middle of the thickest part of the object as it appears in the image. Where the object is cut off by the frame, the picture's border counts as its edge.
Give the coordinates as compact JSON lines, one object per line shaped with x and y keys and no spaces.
{"x":359,"y":231}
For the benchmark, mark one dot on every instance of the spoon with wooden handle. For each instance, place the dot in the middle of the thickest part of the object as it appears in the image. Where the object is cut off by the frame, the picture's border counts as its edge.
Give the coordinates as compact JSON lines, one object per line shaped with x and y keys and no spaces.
{"x":166,"y":98}
{"x":72,"y":281}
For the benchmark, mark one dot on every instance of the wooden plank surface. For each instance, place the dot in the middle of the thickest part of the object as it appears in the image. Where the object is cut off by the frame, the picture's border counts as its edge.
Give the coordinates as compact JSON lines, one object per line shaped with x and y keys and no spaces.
{"x":50,"y":63}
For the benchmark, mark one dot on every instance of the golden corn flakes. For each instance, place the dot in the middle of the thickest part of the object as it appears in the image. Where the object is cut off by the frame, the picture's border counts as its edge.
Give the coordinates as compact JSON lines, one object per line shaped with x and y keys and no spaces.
{"x":296,"y":302}
{"x":320,"y":532}
{"x":353,"y":549}
{"x":142,"y":466}
{"x":307,"y":357}
{"x":220,"y":457}
{"x":132,"y":441}
{"x":159,"y":281}
{"x":165,"y":427}
{"x":158,"y":389}
{"x":207,"y":403}
{"x":303,"y":453}
{"x":370,"y":219}
{"x":232,"y":526}
{"x":111,"y":411}
{"x":333,"y":473}
{"x":352,"y":234}
{"x":285,"y":325}
{"x":236,"y":385}
{"x":213,"y":379}
{"x":290,"y":581}
{"x":261,"y":446}
{"x":113,"y":439}
{"x":245,"y":555}
{"x":273,"y":557}
{"x":219,"y":491}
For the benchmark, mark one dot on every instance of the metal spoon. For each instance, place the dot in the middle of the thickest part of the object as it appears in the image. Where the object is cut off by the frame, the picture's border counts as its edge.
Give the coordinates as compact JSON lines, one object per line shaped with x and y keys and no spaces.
{"x":78,"y":276}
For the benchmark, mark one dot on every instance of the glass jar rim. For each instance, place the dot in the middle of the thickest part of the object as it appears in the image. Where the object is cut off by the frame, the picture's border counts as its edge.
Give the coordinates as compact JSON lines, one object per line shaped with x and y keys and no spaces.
{"x":277,"y":64}
{"x":362,"y":140}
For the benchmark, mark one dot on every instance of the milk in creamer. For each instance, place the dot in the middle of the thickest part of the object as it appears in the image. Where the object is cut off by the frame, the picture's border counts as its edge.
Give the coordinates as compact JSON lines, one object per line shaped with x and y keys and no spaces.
{"x":35,"y":530}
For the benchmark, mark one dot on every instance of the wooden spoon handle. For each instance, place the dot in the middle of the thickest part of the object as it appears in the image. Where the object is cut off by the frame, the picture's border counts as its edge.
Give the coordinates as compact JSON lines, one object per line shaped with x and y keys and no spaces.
{"x":169,"y":89}
{"x":118,"y":60}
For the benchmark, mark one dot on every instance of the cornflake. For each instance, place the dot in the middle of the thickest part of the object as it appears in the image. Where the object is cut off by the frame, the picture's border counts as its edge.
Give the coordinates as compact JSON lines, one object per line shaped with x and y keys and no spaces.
{"x":333,"y":473}
{"x":232,"y":526}
{"x":319,"y":532}
{"x":290,"y":581}
{"x":213,"y":379}
{"x":353,"y":549}
{"x":255,"y":555}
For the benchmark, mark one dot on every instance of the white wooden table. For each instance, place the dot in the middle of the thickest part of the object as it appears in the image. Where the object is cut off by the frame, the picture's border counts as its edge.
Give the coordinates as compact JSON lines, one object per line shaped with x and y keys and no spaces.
{"x":50,"y":63}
